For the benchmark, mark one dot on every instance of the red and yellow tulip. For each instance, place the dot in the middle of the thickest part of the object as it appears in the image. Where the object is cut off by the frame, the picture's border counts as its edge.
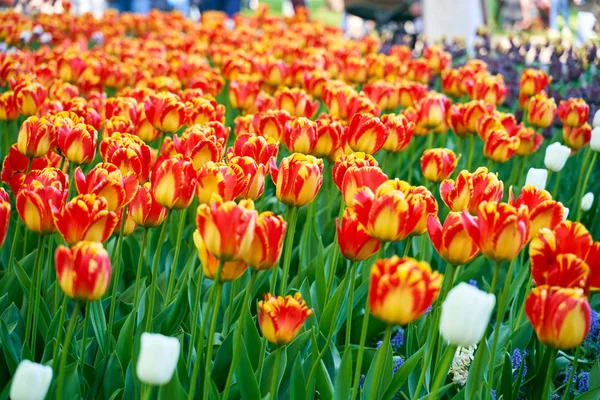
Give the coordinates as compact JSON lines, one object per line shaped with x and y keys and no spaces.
{"x":106,"y":180}
{"x":281,"y":318}
{"x":173,"y":182}
{"x":37,"y":136}
{"x":144,"y":210}
{"x":438,"y":164}
{"x":451,"y":240}
{"x":471,"y":189}
{"x":267,"y":244}
{"x":366,"y":133}
{"x":297,"y":179}
{"x":353,"y":238}
{"x":573,"y":112}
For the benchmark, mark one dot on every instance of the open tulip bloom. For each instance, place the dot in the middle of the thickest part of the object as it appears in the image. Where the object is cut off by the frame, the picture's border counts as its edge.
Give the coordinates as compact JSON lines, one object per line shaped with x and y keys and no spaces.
{"x":255,"y":205}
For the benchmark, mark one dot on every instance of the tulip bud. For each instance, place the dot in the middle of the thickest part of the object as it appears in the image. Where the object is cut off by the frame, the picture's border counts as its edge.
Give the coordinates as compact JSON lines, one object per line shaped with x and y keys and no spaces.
{"x":556,"y":156}
{"x":565,"y":212}
{"x":158,"y":358}
{"x":586,"y":202}
{"x":269,"y":234}
{"x":37,"y":136}
{"x":173,"y":182}
{"x":366,"y":133}
{"x":438,"y":164}
{"x":4,"y":214}
{"x":537,"y":177}
{"x":280,"y":318}
{"x":451,"y":240}
{"x":353,"y":238}
{"x":31,"y":381}
{"x":595,"y":139}
{"x":596,"y":121}
{"x":465,"y":314}
{"x":297,"y":179}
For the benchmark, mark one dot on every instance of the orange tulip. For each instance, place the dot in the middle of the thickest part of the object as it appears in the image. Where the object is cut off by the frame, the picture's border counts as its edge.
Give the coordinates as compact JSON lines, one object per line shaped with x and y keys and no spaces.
{"x":576,"y":138}
{"x":490,"y":89}
{"x":243,"y":92}
{"x":258,"y":148}
{"x":117,"y":124}
{"x":500,"y":230}
{"x":144,"y":210}
{"x":573,"y":112}
{"x":4,"y":214}
{"x":411,"y":93}
{"x":400,"y":132}
{"x":474,"y":110}
{"x":345,"y":161}
{"x":353,"y":238}
{"x":297,"y":179}
{"x":41,"y":191}
{"x":560,"y":316}
{"x":500,"y":146}
{"x":255,"y":174}
{"x":437,"y":59}
{"x":271,"y":124}
{"x":107,"y":181}
{"x":432,"y":110}
{"x":200,"y":144}
{"x":129,"y":153}
{"x":314,"y":82}
{"x":76,"y":141}
{"x":533,"y":81}
{"x":37,"y":136}
{"x":30,"y":97}
{"x":356,"y":178}
{"x":145,"y":130}
{"x":15,"y":165}
{"x":166,"y":113}
{"x":471,"y":189}
{"x":226,"y":228}
{"x":296,"y":102}
{"x":281,"y":318}
{"x":300,"y":135}
{"x":173,"y":182}
{"x":438,"y":164}
{"x":331,"y":138}
{"x":451,"y":241}
{"x":541,"y":111}
{"x":123,"y":107}
{"x":421,"y":195}
{"x":543,"y":211}
{"x":275,"y":72}
{"x":529,"y":140}
{"x":231,"y":270}
{"x":404,"y":281}
{"x":451,"y":83}
{"x":267,"y":244}
{"x":228,"y":181}
{"x":487,"y":124}
{"x":366,"y":133}
{"x":8,"y":106}
{"x":200,"y":110}
{"x":419,"y":71}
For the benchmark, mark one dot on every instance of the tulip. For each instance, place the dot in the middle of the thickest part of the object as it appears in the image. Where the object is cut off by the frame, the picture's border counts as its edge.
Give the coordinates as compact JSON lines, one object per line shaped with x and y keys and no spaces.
{"x":560,"y":316}
{"x":297,"y":179}
{"x":456,"y":120}
{"x":85,"y":218}
{"x":543,"y":211}
{"x":4,"y":214}
{"x":487,"y":124}
{"x":29,"y":98}
{"x":280,"y":319}
{"x":432,"y":110}
{"x":243,"y":92}
{"x":300,"y":135}
{"x":145,"y":210}
{"x":451,"y":83}
{"x":267,"y":244}
{"x":556,"y":157}
{"x":128,"y":227}
{"x":573,"y":112}
{"x":83,"y":271}
{"x":77,"y":142}
{"x":331,"y":138}
{"x":314,"y":82}
{"x":400,"y":131}
{"x":106,"y":180}
{"x":499,"y":146}
{"x":166,"y":113}
{"x":419,"y":71}
{"x":200,"y":144}
{"x":230,"y":271}
{"x":404,"y":281}
{"x":541,"y":111}
{"x":491,"y":89}
{"x":470,"y":190}
{"x":353,"y":238}
{"x":500,"y":230}
{"x":41,"y":191}
{"x":128,"y":153}
{"x":366,"y":133}
{"x":576,"y":138}
{"x":173,"y":182}
{"x":586,"y":203}
{"x":124,"y":107}
{"x":31,"y":381}
{"x":261,"y":149}
{"x":451,"y":241}
{"x":410,"y":94}
{"x":228,"y":181}
{"x":296,"y":102}
{"x":533,"y":81}
{"x":201,"y":110}
{"x":537,"y":178}
{"x":118,"y":124}
{"x":437,"y":59}
{"x":356,"y":178}
{"x":37,"y":136}
{"x":271,"y":124}
{"x":438,"y":164}
{"x":465,"y":314}
{"x":157,"y":359}
{"x":226,"y":228}
{"x":345,"y":161}
{"x":145,"y":130}
{"x":275,"y":72}
{"x":595,"y":137}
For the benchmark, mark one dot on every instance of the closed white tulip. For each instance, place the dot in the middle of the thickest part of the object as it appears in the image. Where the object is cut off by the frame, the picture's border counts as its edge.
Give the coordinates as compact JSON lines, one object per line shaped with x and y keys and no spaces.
{"x":587,"y":201}
{"x":565,"y":213}
{"x":465,"y":314}
{"x":31,"y":381}
{"x":537,"y":177}
{"x":596,"y":122}
{"x":158,"y":358}
{"x":595,"y":140}
{"x":556,"y":156}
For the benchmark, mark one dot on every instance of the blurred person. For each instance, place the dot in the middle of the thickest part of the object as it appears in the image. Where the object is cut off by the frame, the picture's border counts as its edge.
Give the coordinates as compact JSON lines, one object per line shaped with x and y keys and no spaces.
{"x":231,"y":7}
{"x":587,"y":19}
{"x":559,"y":7}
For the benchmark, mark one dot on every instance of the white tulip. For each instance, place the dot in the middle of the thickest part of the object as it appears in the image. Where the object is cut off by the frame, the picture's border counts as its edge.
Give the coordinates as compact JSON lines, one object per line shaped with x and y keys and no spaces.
{"x":537,"y":177}
{"x":158,"y":358}
{"x":587,"y":201}
{"x":556,"y":156}
{"x":31,"y":381}
{"x":595,"y":140}
{"x":596,"y":122}
{"x":565,"y":212}
{"x":465,"y":314}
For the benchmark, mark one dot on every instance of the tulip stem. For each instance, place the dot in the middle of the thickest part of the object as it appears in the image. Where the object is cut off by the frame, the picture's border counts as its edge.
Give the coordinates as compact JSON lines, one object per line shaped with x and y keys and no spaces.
{"x":293,"y":219}
{"x":153,"y":284}
{"x":472,"y":141}
{"x":115,"y":281}
{"x":499,"y":317}
{"x":549,"y":373}
{"x":86,"y":321}
{"x":60,"y":328}
{"x":350,"y":304}
{"x":173,"y":271}
{"x":71,"y":189}
{"x":430,"y":343}
{"x":442,"y":369}
{"x":361,"y":350}
{"x":13,"y":245}
{"x":572,"y":373}
{"x":65,"y":352}
{"x":522,"y":169}
{"x":138,"y":275}
{"x":379,"y":365}
{"x":34,"y":294}
{"x":211,"y":334}
{"x":407,"y":247}
{"x":334,"y":256}
{"x":556,"y":185}
{"x":274,"y":380}
{"x":578,"y":187}
{"x":585,"y":182}
{"x":495,"y":278}
{"x":194,"y":327}
{"x":411,"y":155}
{"x":238,"y":333}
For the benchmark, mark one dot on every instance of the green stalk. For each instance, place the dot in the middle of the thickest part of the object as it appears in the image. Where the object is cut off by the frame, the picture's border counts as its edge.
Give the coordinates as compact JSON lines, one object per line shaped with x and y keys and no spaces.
{"x":334,"y":255}
{"x":310,"y":219}
{"x":584,"y":165}
{"x":379,"y":364}
{"x":548,"y":380}
{"x":238,"y":333}
{"x":411,"y":155}
{"x":556,"y":185}
{"x":194,"y":329}
{"x":442,"y":370}
{"x":572,"y":373}
{"x":13,"y":245}
{"x":261,"y":357}
{"x":350,"y":304}
{"x":495,"y":278}
{"x":115,"y":280}
{"x":71,"y":173}
{"x":585,"y":182}
{"x":273,"y":390}
{"x":65,"y":352}
{"x":361,"y":350}
{"x":86,"y":320}
{"x":61,"y":323}
{"x":153,"y":284}
{"x":522,"y":168}
{"x":173,"y":271}
{"x":211,"y":334}
{"x":291,"y":230}
{"x":472,"y":141}
{"x":33,"y":296}
{"x":138,"y":273}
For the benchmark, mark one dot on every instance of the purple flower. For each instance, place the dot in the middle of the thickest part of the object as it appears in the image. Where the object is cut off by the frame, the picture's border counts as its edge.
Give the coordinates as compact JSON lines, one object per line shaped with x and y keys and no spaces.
{"x":517,"y":359}
{"x":473,"y":282}
{"x":584,"y":382}
{"x":493,"y":394}
{"x":398,"y":364}
{"x":398,"y":340}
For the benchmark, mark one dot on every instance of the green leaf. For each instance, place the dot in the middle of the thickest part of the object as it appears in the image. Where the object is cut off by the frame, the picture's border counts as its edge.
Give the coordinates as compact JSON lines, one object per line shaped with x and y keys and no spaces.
{"x":332,"y":309}
{"x":245,"y":377}
{"x":177,"y":314}
{"x":298,"y":381}
{"x":125,"y":341}
{"x":114,"y":377}
{"x":403,"y":373}
{"x":343,"y":379}
{"x":521,"y":336}
{"x":222,"y":362}
{"x":98,"y":324}
{"x":22,"y":277}
{"x":595,"y":375}
{"x":474,"y":386}
{"x":252,"y":339}
{"x":507,"y":378}
{"x":383,"y":380}
{"x":11,"y":355}
{"x":172,"y":390}
{"x":593,"y":394}
{"x":115,"y":394}
{"x":269,"y":366}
